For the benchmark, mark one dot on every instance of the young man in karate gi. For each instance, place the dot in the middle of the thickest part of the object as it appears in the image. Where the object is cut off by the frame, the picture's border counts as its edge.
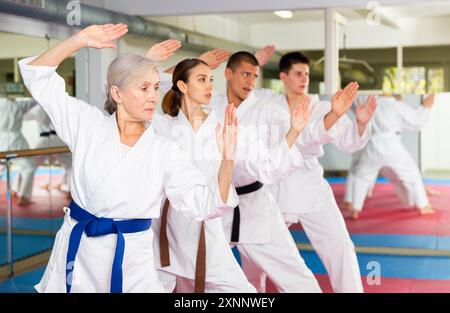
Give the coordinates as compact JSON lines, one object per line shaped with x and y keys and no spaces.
{"x":264,"y":241}
{"x":305,"y":197}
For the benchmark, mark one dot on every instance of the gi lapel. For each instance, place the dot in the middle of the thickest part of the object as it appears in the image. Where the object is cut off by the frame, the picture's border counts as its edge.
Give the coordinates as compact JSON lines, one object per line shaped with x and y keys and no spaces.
{"x":122,"y":169}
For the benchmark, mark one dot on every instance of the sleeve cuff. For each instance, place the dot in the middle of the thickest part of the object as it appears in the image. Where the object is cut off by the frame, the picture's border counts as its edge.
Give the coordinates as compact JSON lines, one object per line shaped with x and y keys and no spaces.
{"x":367,"y":132}
{"x":24,"y":65}
{"x":333,"y":132}
{"x":232,"y":199}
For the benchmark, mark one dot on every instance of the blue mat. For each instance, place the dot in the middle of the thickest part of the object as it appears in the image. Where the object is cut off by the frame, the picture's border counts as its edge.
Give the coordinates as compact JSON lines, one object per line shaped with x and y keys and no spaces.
{"x":23,"y":283}
{"x":45,"y":224}
{"x":383,"y":180}
{"x":410,"y":267}
{"x":384,"y":240}
{"x":25,"y":245}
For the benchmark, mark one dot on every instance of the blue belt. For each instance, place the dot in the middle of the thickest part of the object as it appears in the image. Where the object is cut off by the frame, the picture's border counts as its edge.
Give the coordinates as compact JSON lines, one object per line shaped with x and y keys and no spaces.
{"x":94,"y":227}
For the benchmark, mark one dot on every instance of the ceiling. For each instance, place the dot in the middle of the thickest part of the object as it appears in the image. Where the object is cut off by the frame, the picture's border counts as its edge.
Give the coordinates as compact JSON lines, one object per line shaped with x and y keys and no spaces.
{"x":261,"y":11}
{"x":414,"y":11}
{"x":183,"y":7}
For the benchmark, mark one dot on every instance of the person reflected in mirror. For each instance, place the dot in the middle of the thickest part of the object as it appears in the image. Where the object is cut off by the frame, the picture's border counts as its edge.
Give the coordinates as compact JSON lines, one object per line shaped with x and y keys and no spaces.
{"x":385,"y":154}
{"x":12,"y":113}
{"x":48,"y":138}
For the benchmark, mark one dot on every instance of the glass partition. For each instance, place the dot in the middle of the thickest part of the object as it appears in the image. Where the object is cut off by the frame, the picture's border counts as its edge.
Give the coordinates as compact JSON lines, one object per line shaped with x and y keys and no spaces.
{"x":39,"y":189}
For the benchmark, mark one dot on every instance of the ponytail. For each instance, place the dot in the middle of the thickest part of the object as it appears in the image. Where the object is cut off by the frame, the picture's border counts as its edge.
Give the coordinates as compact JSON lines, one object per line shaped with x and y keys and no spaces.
{"x":171,"y":103}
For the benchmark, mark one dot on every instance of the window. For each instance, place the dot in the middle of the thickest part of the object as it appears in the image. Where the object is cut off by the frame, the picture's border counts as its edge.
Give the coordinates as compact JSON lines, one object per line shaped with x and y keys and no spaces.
{"x":435,"y":79}
{"x":414,"y":80}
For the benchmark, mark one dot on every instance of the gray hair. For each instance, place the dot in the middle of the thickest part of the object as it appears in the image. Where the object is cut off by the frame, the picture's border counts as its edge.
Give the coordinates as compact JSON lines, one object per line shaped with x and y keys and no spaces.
{"x":122,"y":71}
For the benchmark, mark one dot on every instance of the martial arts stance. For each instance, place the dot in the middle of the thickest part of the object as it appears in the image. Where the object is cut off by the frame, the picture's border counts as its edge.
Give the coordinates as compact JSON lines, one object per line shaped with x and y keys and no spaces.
{"x":305,"y":197}
{"x":386,"y":152}
{"x":121,"y":172}
{"x":188,"y":124}
{"x":11,"y":138}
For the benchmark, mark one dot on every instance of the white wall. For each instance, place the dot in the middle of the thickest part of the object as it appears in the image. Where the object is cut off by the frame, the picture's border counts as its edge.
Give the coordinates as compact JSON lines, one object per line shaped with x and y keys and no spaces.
{"x":14,"y":45}
{"x":289,"y":36}
{"x":435,"y":143}
{"x":413,"y":32}
{"x":180,"y":7}
{"x":213,"y":25}
{"x":311,"y":35}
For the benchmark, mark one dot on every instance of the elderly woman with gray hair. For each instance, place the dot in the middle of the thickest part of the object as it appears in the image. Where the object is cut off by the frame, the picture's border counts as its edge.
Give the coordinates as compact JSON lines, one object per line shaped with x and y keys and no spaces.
{"x":122,"y":171}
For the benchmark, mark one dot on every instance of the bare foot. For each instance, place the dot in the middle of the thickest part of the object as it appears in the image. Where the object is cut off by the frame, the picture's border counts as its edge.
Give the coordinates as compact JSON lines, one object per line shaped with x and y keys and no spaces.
{"x":13,"y":194}
{"x":432,"y":192}
{"x":347,"y":206}
{"x":353,"y":214}
{"x":24,"y":201}
{"x":46,"y":187}
{"x":426,"y":210}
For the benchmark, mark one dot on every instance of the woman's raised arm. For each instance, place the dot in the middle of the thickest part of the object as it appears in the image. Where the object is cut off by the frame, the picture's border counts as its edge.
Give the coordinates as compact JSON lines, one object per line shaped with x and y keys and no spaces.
{"x":94,"y":36}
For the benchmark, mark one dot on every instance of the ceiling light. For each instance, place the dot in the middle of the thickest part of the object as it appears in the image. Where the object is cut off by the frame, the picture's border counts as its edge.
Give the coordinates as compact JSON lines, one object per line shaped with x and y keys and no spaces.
{"x":284,"y":14}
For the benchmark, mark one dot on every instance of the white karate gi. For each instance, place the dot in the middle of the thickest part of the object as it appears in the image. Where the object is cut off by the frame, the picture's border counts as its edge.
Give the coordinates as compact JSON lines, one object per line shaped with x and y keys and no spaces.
{"x":45,"y":125}
{"x":112,"y":180}
{"x":265,"y":243}
{"x":305,"y":197}
{"x":11,"y":138}
{"x":223,"y":273}
{"x":349,"y":184}
{"x":386,"y":152}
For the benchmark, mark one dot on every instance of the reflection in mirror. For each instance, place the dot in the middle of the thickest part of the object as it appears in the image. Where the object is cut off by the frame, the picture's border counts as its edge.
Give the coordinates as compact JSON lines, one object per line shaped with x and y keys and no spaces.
{"x":386,"y":154}
{"x":21,"y":125}
{"x":398,"y":183}
{"x":48,"y":138}
{"x":13,"y":113}
{"x":34,"y":222}
{"x":39,"y":185}
{"x":11,"y":138}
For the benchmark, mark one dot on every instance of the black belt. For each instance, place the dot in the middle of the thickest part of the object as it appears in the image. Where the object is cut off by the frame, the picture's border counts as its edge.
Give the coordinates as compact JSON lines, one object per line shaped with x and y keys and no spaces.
{"x":237,"y":215}
{"x":48,"y":134}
